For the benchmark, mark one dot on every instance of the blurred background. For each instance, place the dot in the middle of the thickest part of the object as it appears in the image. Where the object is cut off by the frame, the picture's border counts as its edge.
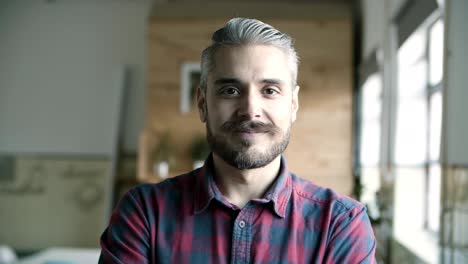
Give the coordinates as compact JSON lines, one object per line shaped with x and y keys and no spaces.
{"x":97,"y":97}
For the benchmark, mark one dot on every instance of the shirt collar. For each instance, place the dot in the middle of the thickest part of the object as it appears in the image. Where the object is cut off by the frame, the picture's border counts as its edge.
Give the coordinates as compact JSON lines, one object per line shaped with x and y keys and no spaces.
{"x":206,"y":190}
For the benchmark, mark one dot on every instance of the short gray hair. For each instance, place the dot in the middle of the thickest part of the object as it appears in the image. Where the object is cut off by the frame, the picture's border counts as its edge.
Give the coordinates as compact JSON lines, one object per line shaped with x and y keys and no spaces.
{"x":245,"y":31}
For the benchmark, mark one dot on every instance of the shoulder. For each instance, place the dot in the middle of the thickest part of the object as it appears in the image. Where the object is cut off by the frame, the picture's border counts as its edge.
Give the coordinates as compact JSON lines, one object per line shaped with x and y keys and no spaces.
{"x":175,"y":184}
{"x":157,"y":192}
{"x":325,"y":198}
{"x":341,"y":220}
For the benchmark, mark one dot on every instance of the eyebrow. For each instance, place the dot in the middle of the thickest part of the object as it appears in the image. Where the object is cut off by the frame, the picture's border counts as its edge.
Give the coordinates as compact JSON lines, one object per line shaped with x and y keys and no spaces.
{"x":227,"y":80}
{"x":272,"y":81}
{"x":237,"y":81}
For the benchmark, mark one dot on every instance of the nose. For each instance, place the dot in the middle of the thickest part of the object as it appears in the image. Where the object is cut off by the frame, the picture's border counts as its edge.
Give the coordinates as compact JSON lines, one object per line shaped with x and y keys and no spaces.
{"x":250,"y":106}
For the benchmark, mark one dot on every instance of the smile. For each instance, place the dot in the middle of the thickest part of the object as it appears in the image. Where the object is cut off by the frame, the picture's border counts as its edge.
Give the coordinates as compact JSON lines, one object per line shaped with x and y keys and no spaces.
{"x":249,"y":132}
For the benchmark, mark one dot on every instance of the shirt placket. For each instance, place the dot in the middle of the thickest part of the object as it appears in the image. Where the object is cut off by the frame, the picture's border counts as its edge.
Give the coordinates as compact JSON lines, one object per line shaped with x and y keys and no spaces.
{"x":242,"y":235}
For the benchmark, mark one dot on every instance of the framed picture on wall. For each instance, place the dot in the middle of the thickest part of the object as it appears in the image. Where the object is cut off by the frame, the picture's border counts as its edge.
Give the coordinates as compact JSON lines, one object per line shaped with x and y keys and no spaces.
{"x":190,"y":78}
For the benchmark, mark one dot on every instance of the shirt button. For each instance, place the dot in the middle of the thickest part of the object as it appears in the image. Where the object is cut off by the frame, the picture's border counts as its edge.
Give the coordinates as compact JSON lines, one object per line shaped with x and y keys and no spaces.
{"x":241,"y":224}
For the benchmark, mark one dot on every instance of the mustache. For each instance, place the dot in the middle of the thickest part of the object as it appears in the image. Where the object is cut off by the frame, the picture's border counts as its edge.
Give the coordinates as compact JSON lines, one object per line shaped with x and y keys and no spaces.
{"x":249,"y":126}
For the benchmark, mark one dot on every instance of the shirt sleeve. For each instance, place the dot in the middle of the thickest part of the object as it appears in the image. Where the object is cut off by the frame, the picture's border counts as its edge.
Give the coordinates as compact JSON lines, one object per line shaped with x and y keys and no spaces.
{"x":127,"y":238}
{"x":352,"y":239}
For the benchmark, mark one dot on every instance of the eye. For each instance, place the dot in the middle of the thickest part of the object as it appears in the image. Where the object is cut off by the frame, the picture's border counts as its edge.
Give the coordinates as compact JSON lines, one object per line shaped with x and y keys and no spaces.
{"x":230,"y":91}
{"x":270,"y":91}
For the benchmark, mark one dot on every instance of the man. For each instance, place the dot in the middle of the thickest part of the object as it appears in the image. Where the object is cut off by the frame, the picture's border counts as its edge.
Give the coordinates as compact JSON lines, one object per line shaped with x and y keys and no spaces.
{"x":243,"y":205}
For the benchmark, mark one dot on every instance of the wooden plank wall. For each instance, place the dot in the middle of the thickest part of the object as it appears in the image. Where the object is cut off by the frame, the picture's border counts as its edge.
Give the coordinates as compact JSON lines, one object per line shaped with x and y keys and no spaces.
{"x":320,"y":148}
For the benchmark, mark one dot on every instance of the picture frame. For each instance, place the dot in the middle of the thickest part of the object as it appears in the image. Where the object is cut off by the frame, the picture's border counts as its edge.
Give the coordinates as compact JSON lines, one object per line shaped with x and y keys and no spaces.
{"x":190,"y":79}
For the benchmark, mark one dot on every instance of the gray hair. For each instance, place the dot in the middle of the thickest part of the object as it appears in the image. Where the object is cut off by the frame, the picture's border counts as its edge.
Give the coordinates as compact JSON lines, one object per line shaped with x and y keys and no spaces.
{"x":244,"y":31}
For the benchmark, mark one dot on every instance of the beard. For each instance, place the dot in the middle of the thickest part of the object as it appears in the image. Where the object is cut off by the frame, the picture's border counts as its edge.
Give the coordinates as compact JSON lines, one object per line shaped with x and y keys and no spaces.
{"x":238,"y":152}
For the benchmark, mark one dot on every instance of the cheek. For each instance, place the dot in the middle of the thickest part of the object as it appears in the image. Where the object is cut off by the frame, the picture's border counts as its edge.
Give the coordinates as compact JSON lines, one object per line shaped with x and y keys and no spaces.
{"x":216,"y":116}
{"x":281,"y":115}
{"x":220,"y":111}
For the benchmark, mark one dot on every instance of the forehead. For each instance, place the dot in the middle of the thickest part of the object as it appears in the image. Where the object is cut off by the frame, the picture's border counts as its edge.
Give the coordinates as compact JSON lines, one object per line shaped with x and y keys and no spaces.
{"x":251,"y":62}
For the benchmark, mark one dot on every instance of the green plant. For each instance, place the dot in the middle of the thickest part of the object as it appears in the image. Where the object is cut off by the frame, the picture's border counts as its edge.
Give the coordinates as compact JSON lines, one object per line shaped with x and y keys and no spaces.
{"x":199,"y":148}
{"x":163,"y":150}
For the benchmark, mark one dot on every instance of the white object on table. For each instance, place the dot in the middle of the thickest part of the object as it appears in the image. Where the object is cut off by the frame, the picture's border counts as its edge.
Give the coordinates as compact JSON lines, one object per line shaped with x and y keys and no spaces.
{"x":7,"y":255}
{"x":63,"y":255}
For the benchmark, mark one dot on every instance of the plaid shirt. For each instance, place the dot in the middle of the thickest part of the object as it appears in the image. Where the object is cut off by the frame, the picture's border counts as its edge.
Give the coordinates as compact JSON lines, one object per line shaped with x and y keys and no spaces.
{"x":186,"y":219}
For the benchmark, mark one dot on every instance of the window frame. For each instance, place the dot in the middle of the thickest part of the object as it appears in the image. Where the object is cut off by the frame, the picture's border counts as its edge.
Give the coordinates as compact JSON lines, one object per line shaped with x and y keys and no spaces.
{"x":431,"y":90}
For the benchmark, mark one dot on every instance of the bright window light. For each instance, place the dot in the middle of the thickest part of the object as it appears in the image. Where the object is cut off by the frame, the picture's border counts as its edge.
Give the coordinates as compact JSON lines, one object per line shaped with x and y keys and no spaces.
{"x":436,"y":52}
{"x":412,"y":50}
{"x":411,"y":128}
{"x":412,"y":79}
{"x":417,"y":140}
{"x":371,"y":112}
{"x":370,"y":122}
{"x":411,"y":143}
{"x":433,"y":198}
{"x":435,"y":123}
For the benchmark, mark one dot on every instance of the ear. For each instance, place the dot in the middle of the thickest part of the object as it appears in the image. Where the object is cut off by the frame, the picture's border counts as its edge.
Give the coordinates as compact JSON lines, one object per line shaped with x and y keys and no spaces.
{"x":201,"y":104}
{"x":295,"y":103}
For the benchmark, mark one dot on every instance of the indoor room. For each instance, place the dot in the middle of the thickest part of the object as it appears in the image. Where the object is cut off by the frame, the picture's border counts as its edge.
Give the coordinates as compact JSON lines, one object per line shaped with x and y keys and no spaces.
{"x":99,"y":97}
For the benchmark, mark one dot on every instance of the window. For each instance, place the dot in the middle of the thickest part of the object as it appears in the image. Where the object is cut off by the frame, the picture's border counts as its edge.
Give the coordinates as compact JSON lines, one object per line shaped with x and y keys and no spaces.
{"x":369,"y":156}
{"x":370,"y":123}
{"x":433,"y":180}
{"x":419,"y":114}
{"x":417,"y":167}
{"x":411,"y":145}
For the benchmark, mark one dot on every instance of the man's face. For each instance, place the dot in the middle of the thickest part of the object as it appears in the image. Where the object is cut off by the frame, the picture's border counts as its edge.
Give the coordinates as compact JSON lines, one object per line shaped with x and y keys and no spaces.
{"x":249,"y":105}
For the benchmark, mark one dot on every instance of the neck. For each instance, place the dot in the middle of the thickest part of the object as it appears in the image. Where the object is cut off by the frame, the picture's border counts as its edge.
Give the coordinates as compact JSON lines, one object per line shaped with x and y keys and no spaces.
{"x":241,"y":186}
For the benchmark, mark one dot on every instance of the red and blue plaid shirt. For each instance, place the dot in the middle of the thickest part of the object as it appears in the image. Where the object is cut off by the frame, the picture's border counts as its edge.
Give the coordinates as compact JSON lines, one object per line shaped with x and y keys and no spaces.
{"x":186,"y":219}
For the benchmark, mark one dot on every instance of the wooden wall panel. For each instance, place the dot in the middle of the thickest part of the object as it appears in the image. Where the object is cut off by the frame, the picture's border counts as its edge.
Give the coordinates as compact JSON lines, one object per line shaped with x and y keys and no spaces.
{"x":320,"y":148}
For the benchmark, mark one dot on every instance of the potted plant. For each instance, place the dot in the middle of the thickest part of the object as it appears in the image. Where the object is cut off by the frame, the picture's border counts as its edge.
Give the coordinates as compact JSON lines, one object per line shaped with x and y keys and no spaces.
{"x":162,"y":157}
{"x":199,"y":150}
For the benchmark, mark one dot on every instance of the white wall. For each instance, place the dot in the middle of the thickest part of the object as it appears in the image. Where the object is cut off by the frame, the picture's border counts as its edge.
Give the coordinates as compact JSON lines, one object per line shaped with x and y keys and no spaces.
{"x":373,"y":26}
{"x":59,"y":68}
{"x":375,"y":15}
{"x":394,"y":6}
{"x":456,"y":93}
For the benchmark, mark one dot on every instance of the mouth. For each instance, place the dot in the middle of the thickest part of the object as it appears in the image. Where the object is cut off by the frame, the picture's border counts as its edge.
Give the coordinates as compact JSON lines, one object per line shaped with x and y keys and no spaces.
{"x":248,"y":134}
{"x":248,"y":128}
{"x":248,"y":131}
{"x":251,"y":131}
